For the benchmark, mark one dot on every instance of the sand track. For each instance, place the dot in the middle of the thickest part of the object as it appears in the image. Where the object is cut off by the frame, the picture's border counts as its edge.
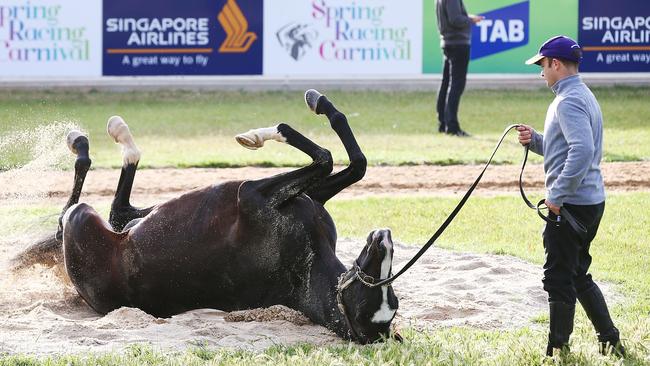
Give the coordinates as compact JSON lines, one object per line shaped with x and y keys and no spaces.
{"x":40,"y":313}
{"x":153,"y":185}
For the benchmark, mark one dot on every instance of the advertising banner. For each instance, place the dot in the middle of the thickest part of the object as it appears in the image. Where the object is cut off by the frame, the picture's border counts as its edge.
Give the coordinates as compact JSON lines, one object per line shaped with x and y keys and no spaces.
{"x":342,"y":37}
{"x":512,"y":32}
{"x":168,"y":37}
{"x":50,"y":38}
{"x":501,"y":30}
{"x":614,"y":35}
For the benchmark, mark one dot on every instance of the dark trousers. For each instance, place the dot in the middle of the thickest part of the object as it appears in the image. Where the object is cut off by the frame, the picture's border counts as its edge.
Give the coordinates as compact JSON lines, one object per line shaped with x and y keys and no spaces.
{"x":567,"y":254}
{"x":454,"y":74}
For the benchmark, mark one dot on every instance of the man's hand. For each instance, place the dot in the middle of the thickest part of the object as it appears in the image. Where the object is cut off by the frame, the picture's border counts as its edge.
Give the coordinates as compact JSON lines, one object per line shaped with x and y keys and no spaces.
{"x":525,"y":134}
{"x":475,"y":18}
{"x":551,"y":207}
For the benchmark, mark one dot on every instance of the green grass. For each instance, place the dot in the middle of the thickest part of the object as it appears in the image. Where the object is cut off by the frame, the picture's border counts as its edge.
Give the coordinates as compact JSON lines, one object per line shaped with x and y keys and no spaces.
{"x":182,"y":129}
{"x":500,"y":225}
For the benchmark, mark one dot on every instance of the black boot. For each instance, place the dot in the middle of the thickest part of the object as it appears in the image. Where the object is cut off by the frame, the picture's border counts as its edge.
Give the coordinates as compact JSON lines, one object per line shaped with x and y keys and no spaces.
{"x":595,"y":306}
{"x":561,"y":326}
{"x":442,"y":128}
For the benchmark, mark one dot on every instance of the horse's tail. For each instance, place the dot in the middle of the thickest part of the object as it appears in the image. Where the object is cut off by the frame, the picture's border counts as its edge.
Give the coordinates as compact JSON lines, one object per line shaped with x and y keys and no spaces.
{"x":47,"y":251}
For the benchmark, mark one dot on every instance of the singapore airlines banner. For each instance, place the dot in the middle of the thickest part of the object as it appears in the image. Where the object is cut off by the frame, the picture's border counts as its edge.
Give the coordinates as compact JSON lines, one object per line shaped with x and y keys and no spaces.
{"x":170,"y":37}
{"x":615,"y":35}
{"x":50,"y":38}
{"x":339,"y":37}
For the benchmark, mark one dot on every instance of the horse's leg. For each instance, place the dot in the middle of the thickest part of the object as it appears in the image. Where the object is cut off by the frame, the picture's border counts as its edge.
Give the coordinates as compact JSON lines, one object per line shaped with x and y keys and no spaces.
{"x":335,"y":183}
{"x":47,"y":251}
{"x":79,"y":145}
{"x":279,"y":188}
{"x":121,"y":210}
{"x":89,"y":252}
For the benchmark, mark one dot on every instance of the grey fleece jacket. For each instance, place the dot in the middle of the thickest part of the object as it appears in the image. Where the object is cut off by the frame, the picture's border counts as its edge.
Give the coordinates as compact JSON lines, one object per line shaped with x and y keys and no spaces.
{"x":454,"y":24}
{"x":572,"y":145}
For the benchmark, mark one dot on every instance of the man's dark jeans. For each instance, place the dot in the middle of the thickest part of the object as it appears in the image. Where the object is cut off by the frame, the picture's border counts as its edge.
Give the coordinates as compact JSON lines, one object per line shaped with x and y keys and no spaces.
{"x":454,"y":74}
{"x":567,"y":254}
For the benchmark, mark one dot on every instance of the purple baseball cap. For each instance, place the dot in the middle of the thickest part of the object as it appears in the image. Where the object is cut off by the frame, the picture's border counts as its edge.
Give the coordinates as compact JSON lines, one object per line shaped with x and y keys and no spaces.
{"x":561,"y":47}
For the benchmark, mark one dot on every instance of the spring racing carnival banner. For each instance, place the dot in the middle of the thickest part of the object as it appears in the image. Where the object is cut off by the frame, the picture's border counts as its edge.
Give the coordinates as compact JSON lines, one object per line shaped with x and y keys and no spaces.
{"x":169,"y":37}
{"x":49,"y":38}
{"x":615,"y":35}
{"x":342,"y":37}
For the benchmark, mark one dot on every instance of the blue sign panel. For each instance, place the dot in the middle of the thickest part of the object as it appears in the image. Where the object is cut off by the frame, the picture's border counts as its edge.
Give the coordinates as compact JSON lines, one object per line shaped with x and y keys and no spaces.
{"x":614,"y":35}
{"x":169,"y":37}
{"x":501,"y":30}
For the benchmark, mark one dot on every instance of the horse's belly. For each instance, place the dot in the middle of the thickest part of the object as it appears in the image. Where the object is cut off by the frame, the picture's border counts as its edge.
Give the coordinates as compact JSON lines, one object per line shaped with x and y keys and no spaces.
{"x":220,"y":274}
{"x":207,"y":258}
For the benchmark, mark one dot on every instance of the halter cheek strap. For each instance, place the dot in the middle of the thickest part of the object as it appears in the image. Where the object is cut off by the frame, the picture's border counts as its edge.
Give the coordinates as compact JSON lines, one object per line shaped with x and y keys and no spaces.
{"x":346,"y":279}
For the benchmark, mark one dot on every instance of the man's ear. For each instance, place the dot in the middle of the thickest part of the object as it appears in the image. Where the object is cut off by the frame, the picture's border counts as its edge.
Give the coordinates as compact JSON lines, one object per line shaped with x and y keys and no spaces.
{"x":557,"y":64}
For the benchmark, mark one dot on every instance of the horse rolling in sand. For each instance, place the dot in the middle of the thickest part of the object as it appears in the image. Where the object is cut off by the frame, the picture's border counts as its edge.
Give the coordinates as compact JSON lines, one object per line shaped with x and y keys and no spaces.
{"x":235,"y":245}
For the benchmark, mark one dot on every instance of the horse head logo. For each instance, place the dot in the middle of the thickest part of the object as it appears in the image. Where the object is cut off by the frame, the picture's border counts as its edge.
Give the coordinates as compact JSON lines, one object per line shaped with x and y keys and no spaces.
{"x":296,"y":39}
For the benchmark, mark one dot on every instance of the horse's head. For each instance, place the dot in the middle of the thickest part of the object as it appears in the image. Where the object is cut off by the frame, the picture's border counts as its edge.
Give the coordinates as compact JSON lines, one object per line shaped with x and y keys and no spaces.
{"x":368,"y":310}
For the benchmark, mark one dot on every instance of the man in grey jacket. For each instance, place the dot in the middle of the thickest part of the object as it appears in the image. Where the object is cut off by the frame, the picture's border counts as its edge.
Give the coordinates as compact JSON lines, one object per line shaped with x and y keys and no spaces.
{"x":572,"y":148}
{"x":455,"y":27}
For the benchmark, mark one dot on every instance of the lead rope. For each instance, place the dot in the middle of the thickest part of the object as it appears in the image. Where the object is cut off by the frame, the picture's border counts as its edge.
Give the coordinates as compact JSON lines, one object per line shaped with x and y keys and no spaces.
{"x":449,"y":219}
{"x":564,"y":213}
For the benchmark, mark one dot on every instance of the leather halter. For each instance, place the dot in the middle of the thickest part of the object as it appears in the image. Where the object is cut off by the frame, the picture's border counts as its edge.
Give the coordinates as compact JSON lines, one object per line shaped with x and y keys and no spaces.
{"x":345,"y":280}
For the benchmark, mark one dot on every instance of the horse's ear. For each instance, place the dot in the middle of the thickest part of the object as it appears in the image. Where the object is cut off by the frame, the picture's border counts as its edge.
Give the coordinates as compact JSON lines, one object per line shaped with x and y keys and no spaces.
{"x":369,"y":237}
{"x":394,"y":334}
{"x":397,"y":337}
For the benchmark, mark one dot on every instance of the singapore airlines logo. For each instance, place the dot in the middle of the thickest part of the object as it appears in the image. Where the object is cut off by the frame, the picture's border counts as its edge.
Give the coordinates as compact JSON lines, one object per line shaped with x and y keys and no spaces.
{"x":238,"y":39}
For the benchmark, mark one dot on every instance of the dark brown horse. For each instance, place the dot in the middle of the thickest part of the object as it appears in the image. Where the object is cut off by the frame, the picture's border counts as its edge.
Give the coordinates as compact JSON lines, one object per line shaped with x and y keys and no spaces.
{"x":235,"y":245}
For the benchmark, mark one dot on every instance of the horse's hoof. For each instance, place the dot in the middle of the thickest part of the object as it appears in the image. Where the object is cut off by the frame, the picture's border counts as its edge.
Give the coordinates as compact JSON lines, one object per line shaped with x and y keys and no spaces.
{"x":250,"y":140}
{"x":118,"y":129}
{"x":312,"y":97}
{"x":70,"y":139}
{"x":254,"y":139}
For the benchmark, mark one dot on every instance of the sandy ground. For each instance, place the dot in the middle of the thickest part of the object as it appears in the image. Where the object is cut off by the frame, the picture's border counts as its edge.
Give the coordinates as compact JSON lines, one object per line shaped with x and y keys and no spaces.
{"x":40,"y":312}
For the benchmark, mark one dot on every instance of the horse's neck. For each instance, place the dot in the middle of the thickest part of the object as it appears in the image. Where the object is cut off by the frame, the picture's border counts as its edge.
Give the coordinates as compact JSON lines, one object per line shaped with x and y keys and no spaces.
{"x":321,"y":305}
